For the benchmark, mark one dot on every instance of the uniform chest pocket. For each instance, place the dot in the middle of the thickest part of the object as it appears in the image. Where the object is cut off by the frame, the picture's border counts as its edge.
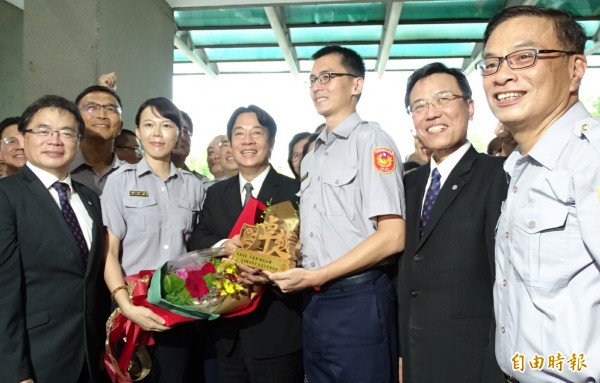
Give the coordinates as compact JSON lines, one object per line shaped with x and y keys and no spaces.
{"x":339,"y":191}
{"x":543,"y":235}
{"x":140,"y":213}
{"x":186,"y":215}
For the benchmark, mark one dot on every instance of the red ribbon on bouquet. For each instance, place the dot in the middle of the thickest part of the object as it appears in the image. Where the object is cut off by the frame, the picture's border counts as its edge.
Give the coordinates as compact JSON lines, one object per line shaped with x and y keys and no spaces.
{"x":120,"y":328}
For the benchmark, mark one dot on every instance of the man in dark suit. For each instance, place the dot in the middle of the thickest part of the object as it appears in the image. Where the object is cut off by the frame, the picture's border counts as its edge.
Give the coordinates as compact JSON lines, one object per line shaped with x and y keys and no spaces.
{"x":446,"y":272}
{"x":264,"y":346}
{"x":52,"y":294}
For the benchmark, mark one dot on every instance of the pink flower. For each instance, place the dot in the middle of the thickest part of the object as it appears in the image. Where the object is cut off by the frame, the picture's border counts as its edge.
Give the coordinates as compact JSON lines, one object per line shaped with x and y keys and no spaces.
{"x":182,"y":273}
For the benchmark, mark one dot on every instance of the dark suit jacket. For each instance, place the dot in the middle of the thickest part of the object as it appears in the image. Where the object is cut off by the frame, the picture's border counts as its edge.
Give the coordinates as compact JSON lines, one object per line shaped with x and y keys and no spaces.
{"x":274,"y":328}
{"x":445,"y":277}
{"x":53,"y":305}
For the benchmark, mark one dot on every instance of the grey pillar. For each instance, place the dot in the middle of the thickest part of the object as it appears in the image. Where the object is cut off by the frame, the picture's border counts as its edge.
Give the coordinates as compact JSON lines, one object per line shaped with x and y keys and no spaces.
{"x":69,"y":44}
{"x":11,"y":60}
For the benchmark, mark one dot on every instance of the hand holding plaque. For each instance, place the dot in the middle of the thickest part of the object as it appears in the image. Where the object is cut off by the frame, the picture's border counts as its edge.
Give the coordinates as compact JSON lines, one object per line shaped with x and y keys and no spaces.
{"x":270,"y":245}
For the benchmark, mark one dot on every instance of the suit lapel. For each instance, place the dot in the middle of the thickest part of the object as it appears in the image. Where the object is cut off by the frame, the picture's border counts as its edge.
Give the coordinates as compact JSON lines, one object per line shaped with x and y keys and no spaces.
{"x":269,"y":186}
{"x":49,"y":208}
{"x":451,"y":189}
{"x":232,"y":193}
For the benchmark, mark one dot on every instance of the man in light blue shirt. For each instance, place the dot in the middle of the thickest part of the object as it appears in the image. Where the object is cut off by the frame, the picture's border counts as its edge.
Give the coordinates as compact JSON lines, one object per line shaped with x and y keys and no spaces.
{"x":547,"y":285}
{"x":352,"y":223}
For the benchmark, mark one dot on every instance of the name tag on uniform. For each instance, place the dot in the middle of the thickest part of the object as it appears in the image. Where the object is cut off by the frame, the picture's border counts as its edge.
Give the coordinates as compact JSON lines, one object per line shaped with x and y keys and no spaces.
{"x":136,"y":193}
{"x":305,"y":176}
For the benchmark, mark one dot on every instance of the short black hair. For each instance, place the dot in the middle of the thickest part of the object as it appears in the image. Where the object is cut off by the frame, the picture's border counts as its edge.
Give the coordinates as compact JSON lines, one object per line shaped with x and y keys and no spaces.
{"x":98,"y":88}
{"x":351,"y":60}
{"x":569,"y":33}
{"x":8,"y":122}
{"x":312,"y":138}
{"x":164,"y":107}
{"x":435,"y":68}
{"x":262,"y":116}
{"x":188,"y":119}
{"x":120,"y":140}
{"x":320,"y":128}
{"x":51,"y":102}
{"x":297,"y":138}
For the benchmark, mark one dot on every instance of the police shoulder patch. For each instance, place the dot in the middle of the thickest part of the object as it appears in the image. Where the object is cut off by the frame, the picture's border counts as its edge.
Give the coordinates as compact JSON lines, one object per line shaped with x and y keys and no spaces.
{"x":383,"y":159}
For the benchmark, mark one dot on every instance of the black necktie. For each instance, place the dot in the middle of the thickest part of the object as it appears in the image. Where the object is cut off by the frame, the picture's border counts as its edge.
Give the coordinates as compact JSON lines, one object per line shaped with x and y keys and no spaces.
{"x":432,"y":193}
{"x":69,"y":216}
{"x":248,"y":188}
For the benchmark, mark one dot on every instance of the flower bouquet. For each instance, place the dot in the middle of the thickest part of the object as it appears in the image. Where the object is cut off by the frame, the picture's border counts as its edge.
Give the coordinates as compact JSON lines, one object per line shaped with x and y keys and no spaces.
{"x":199,"y":285}
{"x":213,"y":291}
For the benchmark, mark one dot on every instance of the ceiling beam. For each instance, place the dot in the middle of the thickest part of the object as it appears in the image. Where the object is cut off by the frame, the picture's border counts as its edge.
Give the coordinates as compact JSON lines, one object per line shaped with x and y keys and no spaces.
{"x":17,"y":3}
{"x":283,"y":38}
{"x":477,"y":54}
{"x":195,"y":4}
{"x":392,"y":17}
{"x":596,"y":46}
{"x":514,"y":3}
{"x":184,"y":44}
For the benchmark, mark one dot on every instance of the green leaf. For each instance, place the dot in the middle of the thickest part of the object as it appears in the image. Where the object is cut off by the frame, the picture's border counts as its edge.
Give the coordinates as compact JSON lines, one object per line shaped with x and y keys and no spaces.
{"x":175,"y":292}
{"x":209,"y":279}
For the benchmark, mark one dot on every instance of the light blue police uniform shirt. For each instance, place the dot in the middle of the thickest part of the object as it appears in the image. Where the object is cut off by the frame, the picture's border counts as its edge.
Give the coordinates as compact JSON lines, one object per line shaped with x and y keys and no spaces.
{"x":153,"y":218}
{"x":345,"y":187}
{"x":84,"y":173}
{"x":547,"y":287}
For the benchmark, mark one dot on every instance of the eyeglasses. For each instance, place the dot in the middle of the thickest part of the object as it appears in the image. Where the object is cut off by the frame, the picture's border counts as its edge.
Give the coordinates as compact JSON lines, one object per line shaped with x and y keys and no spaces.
{"x":9,"y":141}
{"x":186,"y":131}
{"x":324,"y":78}
{"x":92,"y":108}
{"x":442,"y":100}
{"x":126,"y":147}
{"x":224,"y":144}
{"x":65,"y":133}
{"x":525,"y":58}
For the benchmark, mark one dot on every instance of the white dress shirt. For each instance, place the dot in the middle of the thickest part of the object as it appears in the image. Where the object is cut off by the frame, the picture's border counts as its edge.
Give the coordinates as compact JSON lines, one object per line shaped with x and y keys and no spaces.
{"x":84,"y":219}
{"x":257,"y":183}
{"x":445,"y":167}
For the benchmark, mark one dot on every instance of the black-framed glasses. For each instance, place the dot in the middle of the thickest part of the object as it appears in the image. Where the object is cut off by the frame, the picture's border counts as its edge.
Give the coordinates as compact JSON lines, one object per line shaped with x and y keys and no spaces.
{"x":126,"y":147}
{"x":92,"y":108}
{"x":441,"y":100}
{"x":64,"y":133}
{"x":324,"y":78}
{"x":521,"y":59}
{"x":9,"y":141}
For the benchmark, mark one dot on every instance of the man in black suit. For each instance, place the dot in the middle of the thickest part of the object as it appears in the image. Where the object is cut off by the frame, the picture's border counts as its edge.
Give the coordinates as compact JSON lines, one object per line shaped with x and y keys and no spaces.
{"x":52,"y":294}
{"x":264,"y":346}
{"x":446,"y":272}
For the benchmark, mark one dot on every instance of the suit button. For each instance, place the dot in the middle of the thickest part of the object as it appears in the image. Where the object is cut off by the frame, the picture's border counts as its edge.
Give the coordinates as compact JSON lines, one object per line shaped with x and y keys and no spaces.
{"x":417,"y":258}
{"x":414,"y":293}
